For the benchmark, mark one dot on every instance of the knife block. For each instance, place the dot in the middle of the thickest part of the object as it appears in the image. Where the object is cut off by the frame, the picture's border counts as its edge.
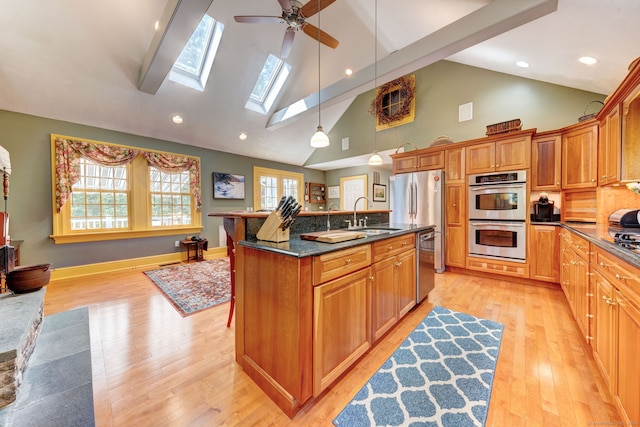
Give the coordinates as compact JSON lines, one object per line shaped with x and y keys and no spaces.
{"x":271,"y":231}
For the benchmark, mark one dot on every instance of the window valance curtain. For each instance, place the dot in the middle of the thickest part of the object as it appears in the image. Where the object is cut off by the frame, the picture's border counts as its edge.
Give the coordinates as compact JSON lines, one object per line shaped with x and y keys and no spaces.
{"x":68,"y":152}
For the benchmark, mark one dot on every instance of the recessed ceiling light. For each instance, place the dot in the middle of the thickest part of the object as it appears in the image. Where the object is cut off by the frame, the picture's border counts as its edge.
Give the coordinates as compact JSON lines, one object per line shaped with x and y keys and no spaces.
{"x":588,"y":60}
{"x":522,"y":64}
{"x":157,"y":25}
{"x":242,"y":136}
{"x":176,"y":119}
{"x":348,"y":72}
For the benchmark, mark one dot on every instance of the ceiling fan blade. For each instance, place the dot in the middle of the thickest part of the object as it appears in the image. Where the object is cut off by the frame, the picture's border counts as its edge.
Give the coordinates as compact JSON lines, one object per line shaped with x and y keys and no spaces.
{"x":259,"y":19}
{"x":287,"y":42}
{"x":326,"y":39}
{"x":311,"y":8}
{"x":285,"y":4}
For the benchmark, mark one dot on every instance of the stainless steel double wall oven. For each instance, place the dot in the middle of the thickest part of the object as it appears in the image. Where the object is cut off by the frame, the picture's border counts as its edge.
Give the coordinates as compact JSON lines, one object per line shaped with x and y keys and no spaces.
{"x":498,"y":210}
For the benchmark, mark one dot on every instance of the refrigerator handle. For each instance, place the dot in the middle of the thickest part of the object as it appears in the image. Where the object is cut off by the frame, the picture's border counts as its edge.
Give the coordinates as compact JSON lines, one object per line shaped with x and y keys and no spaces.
{"x":414,"y":212}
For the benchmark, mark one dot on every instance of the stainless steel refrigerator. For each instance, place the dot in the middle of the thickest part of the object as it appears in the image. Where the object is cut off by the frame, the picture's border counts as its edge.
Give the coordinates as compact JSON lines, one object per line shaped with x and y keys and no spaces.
{"x":418,"y":198}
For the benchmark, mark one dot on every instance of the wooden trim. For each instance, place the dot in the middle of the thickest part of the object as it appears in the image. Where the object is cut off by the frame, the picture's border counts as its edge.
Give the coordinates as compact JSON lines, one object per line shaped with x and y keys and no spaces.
{"x":129,"y":264}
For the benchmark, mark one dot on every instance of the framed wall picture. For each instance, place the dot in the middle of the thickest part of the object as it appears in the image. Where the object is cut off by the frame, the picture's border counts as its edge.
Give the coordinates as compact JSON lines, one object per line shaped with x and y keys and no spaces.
{"x":228,"y":186}
{"x":334,"y":192}
{"x":379,"y":193}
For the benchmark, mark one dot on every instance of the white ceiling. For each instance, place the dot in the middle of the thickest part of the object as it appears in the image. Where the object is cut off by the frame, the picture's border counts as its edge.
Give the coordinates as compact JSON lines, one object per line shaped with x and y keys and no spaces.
{"x":78,"y":61}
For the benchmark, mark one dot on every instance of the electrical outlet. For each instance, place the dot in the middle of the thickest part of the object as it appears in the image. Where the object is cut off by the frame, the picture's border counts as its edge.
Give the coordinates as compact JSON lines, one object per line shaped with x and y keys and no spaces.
{"x":177,"y":243}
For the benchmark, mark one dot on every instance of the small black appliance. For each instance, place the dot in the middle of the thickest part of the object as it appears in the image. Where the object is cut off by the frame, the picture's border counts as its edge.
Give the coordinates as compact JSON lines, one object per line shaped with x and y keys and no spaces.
{"x":543,"y":209}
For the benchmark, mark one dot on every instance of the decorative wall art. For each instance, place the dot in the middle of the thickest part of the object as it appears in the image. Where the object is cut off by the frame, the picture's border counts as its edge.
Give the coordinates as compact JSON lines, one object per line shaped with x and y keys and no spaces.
{"x":395,"y":103}
{"x":334,"y":192}
{"x":228,"y":186}
{"x":379,"y":193}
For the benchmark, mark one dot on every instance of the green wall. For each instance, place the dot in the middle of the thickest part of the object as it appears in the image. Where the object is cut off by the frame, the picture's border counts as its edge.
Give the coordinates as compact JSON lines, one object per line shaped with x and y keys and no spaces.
{"x":440,"y":89}
{"x":27,"y":138}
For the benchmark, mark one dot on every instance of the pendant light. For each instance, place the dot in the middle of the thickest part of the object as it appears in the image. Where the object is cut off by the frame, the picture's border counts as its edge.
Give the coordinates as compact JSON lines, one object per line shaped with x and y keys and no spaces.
{"x":319,"y":139}
{"x":375,"y":158}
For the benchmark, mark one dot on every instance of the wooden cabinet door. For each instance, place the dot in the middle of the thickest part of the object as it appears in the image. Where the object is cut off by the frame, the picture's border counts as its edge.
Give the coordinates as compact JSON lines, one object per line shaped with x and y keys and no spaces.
{"x":456,"y":230}
{"x":383,"y":297}
{"x":431,"y":161}
{"x":404,"y":164}
{"x":603,"y":331}
{"x":581,"y":290}
{"x":405,"y":282}
{"x":628,"y":362}
{"x":544,"y":253}
{"x":579,"y":157}
{"x":546,"y":153}
{"x":341,"y":330}
{"x":610,"y":149}
{"x":481,"y":158}
{"x":513,"y":153}
{"x":455,"y":210}
{"x":454,"y":168}
{"x":455,"y":247}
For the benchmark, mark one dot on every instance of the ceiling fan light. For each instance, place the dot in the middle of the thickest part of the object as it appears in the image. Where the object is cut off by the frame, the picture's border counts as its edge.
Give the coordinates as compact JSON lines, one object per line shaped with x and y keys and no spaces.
{"x":319,"y":139}
{"x":375,"y":159}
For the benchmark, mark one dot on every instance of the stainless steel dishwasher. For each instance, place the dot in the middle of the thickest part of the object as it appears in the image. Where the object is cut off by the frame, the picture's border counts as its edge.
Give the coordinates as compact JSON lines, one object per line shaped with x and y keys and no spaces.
{"x":426,"y":274}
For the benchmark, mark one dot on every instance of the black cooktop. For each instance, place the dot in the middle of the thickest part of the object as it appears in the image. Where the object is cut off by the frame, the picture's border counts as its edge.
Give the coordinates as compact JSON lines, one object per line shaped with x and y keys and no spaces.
{"x":627,"y":239}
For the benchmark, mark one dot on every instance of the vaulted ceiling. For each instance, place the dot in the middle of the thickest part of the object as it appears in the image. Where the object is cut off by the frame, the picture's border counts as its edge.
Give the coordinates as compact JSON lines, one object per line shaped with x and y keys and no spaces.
{"x":80,"y":61}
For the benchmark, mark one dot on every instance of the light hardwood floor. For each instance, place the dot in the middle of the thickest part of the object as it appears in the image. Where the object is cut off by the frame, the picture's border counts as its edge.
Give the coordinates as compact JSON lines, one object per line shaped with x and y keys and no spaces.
{"x":152,"y":367}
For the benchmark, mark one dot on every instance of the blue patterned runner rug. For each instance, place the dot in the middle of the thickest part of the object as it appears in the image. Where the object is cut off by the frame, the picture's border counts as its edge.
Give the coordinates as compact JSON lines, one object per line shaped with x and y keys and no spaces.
{"x":441,"y":375}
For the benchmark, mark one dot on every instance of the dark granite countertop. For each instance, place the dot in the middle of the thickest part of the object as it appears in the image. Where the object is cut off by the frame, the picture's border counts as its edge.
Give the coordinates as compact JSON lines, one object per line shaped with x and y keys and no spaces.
{"x":601,"y":235}
{"x":301,"y":248}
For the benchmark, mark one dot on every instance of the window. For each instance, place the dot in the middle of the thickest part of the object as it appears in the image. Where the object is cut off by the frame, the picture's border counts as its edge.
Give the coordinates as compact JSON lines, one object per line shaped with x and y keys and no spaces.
{"x":274,"y":184}
{"x":269,"y":84}
{"x":170,"y":198}
{"x":99,"y":200}
{"x":108,"y":192}
{"x":193,"y":66}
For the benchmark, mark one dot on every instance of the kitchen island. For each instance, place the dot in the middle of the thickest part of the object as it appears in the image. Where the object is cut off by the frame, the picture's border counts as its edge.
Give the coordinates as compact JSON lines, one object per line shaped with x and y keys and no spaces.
{"x":306,"y":310}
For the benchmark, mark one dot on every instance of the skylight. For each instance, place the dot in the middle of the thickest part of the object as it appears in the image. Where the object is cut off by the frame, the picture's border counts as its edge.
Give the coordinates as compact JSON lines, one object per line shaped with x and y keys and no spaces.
{"x":193,"y":66}
{"x":270,"y":81}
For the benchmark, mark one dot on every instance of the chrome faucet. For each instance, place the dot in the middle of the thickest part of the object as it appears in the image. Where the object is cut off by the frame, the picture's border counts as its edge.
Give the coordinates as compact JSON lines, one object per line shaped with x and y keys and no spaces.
{"x":355,"y":205}
{"x":328,"y":213}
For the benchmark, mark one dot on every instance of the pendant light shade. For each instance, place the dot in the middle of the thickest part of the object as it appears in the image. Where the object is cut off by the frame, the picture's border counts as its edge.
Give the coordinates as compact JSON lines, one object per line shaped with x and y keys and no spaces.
{"x":375,"y":159}
{"x":319,"y":139}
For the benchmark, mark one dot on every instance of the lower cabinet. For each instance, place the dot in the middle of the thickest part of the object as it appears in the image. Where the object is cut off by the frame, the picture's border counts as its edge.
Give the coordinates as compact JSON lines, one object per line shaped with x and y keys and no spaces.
{"x":341,"y":326}
{"x":393,"y":291}
{"x":576,"y":280}
{"x":544,"y":250}
{"x":617,"y":331}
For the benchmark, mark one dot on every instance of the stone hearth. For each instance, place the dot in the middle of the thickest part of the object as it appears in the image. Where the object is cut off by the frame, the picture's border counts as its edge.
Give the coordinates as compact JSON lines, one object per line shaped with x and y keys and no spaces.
{"x":20,"y":323}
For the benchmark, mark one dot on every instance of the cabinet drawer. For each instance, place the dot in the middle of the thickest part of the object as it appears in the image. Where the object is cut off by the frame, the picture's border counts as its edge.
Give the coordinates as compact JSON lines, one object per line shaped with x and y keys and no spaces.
{"x":335,"y":264}
{"x":622,"y":275}
{"x":499,"y":267}
{"x":581,"y":246}
{"x":389,"y":247}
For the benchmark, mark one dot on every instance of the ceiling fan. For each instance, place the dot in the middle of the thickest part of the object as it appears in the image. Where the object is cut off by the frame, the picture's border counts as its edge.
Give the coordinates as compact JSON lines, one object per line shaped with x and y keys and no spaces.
{"x":294,"y":14}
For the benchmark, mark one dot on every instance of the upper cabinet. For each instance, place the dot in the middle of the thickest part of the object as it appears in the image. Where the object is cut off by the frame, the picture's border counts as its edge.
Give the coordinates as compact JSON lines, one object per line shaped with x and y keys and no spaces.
{"x":579,"y":155}
{"x":620,"y":131}
{"x":454,"y":165}
{"x":545,"y":162}
{"x":508,"y":153}
{"x":418,"y":161}
{"x":609,"y":148}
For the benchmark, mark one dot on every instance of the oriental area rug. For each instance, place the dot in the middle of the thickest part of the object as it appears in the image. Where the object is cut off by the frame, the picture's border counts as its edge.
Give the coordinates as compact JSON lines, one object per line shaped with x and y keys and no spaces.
{"x":195,"y":286}
{"x":441,"y":375}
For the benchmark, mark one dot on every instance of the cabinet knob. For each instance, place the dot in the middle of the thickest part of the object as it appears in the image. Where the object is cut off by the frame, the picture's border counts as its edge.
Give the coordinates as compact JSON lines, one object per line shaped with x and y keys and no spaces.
{"x":593,"y":180}
{"x":558,"y":183}
{"x":347,"y":261}
{"x":389,"y":247}
{"x":398,"y":264}
{"x":497,"y":166}
{"x":454,"y":205}
{"x":619,"y":277}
